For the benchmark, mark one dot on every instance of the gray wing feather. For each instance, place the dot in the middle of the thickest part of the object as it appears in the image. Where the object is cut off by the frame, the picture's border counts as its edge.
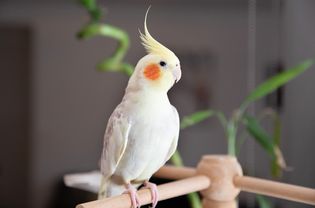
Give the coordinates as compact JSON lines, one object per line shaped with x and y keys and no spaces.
{"x":115,"y":142}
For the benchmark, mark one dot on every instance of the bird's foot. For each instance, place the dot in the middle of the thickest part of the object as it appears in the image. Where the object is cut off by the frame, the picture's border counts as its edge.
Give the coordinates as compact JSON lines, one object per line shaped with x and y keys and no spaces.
{"x":154,"y":192}
{"x":132,"y":191}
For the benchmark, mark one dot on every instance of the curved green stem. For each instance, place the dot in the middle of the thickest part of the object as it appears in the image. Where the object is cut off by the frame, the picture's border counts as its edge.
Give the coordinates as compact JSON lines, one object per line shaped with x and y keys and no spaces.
{"x":113,"y":63}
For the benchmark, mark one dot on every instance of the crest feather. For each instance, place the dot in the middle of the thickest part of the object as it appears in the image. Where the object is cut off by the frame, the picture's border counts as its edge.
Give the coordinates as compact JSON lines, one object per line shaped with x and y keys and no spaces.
{"x":150,"y":44}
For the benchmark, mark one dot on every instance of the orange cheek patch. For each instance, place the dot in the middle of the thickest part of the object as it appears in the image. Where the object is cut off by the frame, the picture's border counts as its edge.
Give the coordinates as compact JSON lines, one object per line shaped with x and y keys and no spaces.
{"x":152,"y":72}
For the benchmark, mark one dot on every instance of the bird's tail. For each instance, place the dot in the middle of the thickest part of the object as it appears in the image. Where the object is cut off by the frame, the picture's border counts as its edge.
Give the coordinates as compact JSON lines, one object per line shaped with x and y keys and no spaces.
{"x":109,"y":188}
{"x":102,"y":191}
{"x":88,"y":181}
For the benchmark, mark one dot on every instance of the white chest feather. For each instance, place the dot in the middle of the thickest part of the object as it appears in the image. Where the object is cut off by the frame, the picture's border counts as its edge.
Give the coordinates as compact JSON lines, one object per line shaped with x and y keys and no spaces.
{"x":154,"y":129}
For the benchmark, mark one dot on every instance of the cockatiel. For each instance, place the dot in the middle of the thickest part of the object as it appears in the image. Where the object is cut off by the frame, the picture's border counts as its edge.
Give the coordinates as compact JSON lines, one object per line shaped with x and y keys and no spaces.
{"x":142,"y":132}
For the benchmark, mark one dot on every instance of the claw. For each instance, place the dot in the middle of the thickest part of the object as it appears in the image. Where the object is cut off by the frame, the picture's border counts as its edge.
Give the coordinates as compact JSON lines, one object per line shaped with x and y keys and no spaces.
{"x":132,"y":191}
{"x":154,"y":192}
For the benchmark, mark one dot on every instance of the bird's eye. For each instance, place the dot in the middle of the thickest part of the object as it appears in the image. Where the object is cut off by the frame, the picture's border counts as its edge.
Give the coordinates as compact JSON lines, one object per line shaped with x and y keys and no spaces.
{"x":162,"y":63}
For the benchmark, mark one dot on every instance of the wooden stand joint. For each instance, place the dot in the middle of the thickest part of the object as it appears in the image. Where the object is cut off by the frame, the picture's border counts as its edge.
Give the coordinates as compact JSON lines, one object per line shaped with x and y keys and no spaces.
{"x":221,"y":170}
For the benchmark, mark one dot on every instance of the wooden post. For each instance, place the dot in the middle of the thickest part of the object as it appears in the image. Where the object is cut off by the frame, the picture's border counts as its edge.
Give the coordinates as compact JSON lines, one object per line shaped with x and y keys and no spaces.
{"x":221,"y":170}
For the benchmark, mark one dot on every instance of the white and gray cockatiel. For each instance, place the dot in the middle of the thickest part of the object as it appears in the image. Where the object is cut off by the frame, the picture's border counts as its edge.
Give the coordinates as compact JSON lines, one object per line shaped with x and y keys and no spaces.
{"x":142,"y":132}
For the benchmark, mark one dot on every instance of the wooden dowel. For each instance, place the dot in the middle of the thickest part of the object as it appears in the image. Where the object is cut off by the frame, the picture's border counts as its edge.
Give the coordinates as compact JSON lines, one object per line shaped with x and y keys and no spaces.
{"x":275,"y":189}
{"x":249,"y":184}
{"x":166,"y":191}
{"x":175,"y":173}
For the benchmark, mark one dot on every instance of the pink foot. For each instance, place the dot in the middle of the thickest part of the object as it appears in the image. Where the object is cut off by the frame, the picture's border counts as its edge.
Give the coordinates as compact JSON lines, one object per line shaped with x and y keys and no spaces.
{"x":133,"y":196}
{"x":154,"y":192}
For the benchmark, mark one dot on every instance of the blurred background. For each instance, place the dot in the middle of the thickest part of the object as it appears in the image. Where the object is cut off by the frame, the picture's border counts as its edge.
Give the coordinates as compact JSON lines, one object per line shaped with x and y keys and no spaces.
{"x":54,"y":104}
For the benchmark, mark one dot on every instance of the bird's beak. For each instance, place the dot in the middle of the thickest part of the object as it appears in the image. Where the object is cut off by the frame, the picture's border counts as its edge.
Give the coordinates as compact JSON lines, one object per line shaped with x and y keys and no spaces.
{"x":177,"y":73}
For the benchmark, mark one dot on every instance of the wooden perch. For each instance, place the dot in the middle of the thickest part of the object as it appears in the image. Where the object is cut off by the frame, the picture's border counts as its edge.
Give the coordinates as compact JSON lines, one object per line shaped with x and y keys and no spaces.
{"x":276,"y":189}
{"x":227,"y":181}
{"x":251,"y":184}
{"x":166,"y":191}
{"x":175,"y":173}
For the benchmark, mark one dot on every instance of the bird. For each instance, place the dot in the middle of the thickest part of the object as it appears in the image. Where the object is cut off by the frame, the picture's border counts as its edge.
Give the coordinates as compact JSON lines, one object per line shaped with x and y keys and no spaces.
{"x":142,"y":132}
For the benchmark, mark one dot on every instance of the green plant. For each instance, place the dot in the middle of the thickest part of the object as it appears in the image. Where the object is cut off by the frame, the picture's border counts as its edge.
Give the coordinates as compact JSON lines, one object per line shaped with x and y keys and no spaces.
{"x":269,"y":142}
{"x":231,"y":125}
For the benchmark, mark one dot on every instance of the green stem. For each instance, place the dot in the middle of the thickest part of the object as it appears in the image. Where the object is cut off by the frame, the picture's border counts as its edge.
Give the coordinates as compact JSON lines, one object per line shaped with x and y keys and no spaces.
{"x":231,"y":146}
{"x":193,"y":198}
{"x":113,"y":63}
{"x":176,"y":159}
{"x":231,"y":138}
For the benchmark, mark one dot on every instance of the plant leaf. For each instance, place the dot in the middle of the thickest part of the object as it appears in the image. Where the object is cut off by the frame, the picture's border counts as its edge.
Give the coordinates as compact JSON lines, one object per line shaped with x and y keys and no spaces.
{"x":267,"y":142}
{"x":263,"y":202}
{"x":258,"y":133}
{"x":277,"y":81}
{"x":279,"y":163}
{"x":195,"y":118}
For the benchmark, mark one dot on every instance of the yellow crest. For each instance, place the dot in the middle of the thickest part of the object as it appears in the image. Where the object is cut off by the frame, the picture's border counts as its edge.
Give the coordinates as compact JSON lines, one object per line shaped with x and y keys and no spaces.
{"x":151,"y":45}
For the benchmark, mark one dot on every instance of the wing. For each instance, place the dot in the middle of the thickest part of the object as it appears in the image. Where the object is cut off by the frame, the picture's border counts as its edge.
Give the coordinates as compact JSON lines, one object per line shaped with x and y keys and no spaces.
{"x":175,"y":129}
{"x":115,"y":142}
